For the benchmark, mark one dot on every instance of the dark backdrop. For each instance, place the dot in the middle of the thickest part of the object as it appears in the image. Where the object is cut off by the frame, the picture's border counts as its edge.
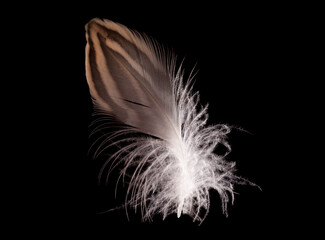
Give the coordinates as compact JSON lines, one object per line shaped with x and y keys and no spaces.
{"x":248,"y":64}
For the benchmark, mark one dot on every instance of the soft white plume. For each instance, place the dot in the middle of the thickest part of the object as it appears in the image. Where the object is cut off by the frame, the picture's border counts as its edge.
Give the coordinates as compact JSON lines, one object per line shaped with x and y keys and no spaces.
{"x":173,"y":159}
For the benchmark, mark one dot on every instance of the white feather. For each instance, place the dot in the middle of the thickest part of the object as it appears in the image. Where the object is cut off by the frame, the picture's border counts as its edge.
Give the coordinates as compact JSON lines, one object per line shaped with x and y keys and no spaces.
{"x":174,"y":163}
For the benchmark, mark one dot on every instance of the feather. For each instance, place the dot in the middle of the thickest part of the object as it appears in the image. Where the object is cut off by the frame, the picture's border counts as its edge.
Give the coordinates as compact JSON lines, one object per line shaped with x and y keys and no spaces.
{"x":134,"y":81}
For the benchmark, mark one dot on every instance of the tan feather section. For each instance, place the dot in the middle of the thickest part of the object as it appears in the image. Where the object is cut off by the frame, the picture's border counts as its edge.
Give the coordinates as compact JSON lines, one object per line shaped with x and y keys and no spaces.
{"x":129,"y":78}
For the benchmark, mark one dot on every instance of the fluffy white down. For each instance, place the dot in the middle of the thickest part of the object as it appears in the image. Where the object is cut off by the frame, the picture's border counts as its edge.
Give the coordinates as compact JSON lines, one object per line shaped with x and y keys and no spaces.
{"x":176,"y":176}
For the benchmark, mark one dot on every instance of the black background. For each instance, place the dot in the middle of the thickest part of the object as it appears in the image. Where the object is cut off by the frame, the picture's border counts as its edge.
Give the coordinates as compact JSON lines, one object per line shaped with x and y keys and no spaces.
{"x":249,"y":60}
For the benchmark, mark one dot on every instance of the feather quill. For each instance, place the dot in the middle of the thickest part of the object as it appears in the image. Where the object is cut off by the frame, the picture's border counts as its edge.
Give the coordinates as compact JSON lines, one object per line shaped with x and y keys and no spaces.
{"x":134,"y":80}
